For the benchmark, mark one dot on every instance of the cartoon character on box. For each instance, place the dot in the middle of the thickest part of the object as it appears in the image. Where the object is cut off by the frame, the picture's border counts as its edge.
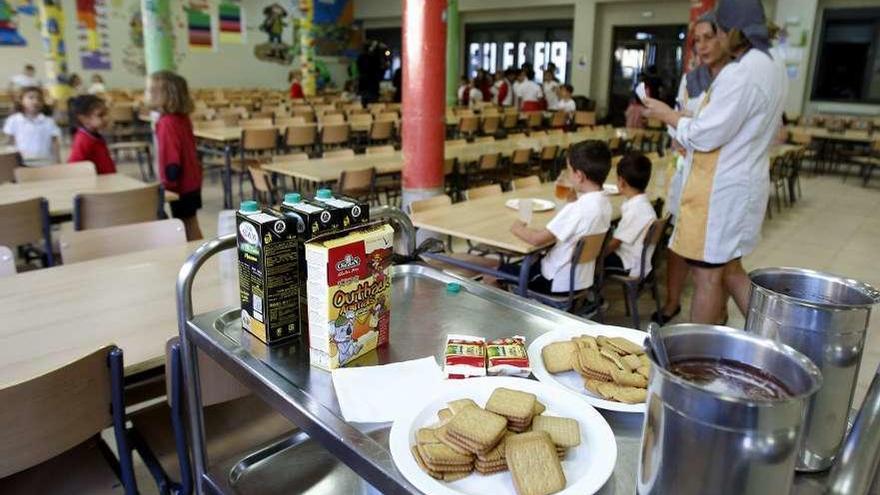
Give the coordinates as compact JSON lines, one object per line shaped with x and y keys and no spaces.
{"x":378,"y":312}
{"x":380,"y":260}
{"x":343,"y":337}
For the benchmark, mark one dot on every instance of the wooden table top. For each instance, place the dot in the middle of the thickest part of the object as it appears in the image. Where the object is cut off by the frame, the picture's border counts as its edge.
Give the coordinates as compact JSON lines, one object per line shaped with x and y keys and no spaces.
{"x":233,"y":133}
{"x":488,"y":220}
{"x":60,"y":192}
{"x":850,"y":135}
{"x":56,"y":315}
{"x":322,"y":170}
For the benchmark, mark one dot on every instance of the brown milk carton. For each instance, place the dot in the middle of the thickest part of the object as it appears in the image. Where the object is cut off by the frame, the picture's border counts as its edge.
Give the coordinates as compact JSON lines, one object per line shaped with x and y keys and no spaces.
{"x":349,"y":294}
{"x":268,"y":273}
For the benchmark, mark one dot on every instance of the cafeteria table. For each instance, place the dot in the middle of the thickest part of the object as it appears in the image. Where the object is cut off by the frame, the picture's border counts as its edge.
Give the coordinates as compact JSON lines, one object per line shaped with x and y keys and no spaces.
{"x":55,"y":315}
{"x":61,"y":192}
{"x":487,"y":221}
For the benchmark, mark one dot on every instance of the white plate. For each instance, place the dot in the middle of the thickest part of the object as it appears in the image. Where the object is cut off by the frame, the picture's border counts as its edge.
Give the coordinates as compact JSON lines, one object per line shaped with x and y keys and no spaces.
{"x":611,"y":189}
{"x":587,"y":467}
{"x":571,"y":380}
{"x":537,"y":204}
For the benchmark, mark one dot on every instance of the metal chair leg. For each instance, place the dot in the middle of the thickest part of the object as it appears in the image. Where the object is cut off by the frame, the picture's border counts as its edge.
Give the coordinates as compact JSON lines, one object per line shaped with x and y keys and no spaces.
{"x":632,"y":295}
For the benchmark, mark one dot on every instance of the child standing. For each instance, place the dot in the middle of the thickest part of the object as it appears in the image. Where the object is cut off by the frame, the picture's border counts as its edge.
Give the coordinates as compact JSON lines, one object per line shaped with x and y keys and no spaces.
{"x":463,"y":92}
{"x":589,"y":213}
{"x":565,"y":103}
{"x":296,"y":89}
{"x":34,"y":134}
{"x":624,"y":250}
{"x":528,"y":92}
{"x":179,"y":167}
{"x":475,"y":95}
{"x":89,"y":115}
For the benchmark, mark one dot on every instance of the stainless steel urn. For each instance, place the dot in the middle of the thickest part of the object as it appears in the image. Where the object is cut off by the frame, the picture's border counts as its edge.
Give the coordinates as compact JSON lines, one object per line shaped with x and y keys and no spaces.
{"x":825,"y":317}
{"x":696,"y":441}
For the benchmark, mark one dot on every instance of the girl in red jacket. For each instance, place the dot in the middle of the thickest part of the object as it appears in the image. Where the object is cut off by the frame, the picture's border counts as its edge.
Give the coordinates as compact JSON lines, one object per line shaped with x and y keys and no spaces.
{"x":89,"y":114}
{"x":179,"y":167}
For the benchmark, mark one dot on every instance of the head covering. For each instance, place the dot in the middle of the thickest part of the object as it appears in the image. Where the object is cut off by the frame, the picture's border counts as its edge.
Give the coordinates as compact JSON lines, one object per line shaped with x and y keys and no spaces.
{"x":747,"y":16}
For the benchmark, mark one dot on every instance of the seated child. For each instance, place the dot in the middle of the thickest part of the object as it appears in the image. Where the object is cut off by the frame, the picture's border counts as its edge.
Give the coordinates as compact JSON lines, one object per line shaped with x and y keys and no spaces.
{"x":89,"y":115}
{"x":565,"y":102}
{"x":624,"y":250}
{"x":588,"y":212}
{"x":34,"y":134}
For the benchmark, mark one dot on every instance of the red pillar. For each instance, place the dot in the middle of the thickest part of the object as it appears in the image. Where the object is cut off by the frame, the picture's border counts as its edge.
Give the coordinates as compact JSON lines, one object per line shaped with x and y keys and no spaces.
{"x":424,"y":101}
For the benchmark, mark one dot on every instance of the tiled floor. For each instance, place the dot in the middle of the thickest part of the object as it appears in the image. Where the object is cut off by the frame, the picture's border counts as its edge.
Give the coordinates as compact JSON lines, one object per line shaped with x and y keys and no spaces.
{"x":833,"y":227}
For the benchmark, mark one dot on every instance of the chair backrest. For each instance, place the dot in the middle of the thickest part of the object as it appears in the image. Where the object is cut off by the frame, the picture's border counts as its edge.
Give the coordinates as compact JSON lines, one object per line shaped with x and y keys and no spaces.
{"x":652,"y":242}
{"x":259,"y":139}
{"x":380,"y":150}
{"x":301,"y":135}
{"x":8,"y":163}
{"x":529,"y":182}
{"x":7,"y":262}
{"x":534,"y":120}
{"x":96,"y":210}
{"x":430,"y":203}
{"x":335,"y":134}
{"x":261,"y":179}
{"x":449,"y":166}
{"x":387,"y":117}
{"x":559,"y":119}
{"x":521,"y":157}
{"x":510,"y":120}
{"x":255,"y":123}
{"x":52,"y":413}
{"x":585,"y":118}
{"x":344,"y":153}
{"x":490,"y":161}
{"x":549,"y":152}
{"x":381,"y":129}
{"x":91,"y":244}
{"x":353,"y":181}
{"x":491,"y":123}
{"x":483,"y":191}
{"x":290,"y":157}
{"x":23,"y":222}
{"x":468,"y":124}
{"x":360,"y":119}
{"x":591,"y":249}
{"x":52,"y":172}
{"x":120,"y":114}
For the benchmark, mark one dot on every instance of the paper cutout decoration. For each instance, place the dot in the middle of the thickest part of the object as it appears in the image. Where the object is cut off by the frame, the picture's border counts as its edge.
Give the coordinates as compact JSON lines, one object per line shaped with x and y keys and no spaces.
{"x":92,"y":35}
{"x":232,"y":25}
{"x":199,"y":27}
{"x":8,"y":28}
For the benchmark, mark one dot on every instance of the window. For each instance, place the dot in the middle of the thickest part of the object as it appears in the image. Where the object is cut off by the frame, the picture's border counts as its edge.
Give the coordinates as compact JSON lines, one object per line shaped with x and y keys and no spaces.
{"x":495,"y":47}
{"x":848,"y":61}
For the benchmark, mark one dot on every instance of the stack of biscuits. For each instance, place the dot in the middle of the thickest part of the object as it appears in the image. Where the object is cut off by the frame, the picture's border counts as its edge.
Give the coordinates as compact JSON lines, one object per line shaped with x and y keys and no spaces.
{"x":509,"y":434}
{"x":613,"y":368}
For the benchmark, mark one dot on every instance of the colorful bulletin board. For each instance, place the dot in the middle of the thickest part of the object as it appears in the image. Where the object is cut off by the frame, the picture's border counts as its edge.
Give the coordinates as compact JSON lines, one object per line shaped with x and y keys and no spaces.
{"x":333,"y":27}
{"x":232,"y":25}
{"x":200,"y":32}
{"x":92,"y":35}
{"x":9,"y":35}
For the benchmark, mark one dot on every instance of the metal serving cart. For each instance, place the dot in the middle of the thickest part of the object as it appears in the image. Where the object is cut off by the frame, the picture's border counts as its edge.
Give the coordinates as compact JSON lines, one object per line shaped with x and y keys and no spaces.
{"x":327,"y":454}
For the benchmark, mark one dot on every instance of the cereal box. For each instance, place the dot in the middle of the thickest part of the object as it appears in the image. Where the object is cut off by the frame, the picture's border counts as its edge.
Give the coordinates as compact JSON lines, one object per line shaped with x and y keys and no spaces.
{"x":349,"y":294}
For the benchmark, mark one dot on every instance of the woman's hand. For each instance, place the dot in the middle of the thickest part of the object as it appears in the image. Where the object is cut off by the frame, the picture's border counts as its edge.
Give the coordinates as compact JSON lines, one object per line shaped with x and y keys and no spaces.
{"x":656,"y":109}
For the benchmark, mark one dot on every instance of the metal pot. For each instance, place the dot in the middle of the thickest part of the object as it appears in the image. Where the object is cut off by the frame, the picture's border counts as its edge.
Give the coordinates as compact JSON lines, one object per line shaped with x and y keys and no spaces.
{"x":824,"y":317}
{"x":696,"y":441}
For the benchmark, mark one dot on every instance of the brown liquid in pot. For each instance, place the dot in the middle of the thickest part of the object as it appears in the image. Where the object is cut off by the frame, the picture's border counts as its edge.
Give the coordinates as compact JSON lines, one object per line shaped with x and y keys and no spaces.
{"x":731,"y":378}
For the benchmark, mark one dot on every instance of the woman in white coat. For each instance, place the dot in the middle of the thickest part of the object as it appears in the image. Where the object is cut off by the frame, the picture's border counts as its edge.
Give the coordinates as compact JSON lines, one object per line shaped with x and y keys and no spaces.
{"x":711,"y":57}
{"x":725,"y":193}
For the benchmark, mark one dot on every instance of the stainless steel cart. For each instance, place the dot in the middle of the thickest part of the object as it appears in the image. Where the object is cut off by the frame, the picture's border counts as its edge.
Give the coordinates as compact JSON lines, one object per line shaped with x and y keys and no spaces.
{"x":423,"y":313}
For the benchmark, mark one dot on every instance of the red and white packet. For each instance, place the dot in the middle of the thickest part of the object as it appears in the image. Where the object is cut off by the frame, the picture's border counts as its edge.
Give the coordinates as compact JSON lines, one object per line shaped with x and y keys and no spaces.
{"x":464,"y":356}
{"x":508,"y":357}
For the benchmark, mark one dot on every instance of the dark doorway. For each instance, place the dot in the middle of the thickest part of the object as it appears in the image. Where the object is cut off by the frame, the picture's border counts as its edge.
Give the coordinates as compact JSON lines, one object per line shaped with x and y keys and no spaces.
{"x":655,"y":51}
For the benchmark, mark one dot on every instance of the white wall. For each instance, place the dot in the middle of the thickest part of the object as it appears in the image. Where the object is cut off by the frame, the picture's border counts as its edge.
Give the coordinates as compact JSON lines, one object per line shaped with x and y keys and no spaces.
{"x":230,"y":66}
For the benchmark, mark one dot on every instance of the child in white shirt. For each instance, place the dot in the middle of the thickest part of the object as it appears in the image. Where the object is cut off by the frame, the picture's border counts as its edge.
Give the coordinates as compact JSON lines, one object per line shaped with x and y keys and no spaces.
{"x":474,"y":94}
{"x":624,"y":250}
{"x":35,"y":135}
{"x":463,"y":92}
{"x":550,"y":87}
{"x":565,"y":102}
{"x":587,"y":213}
{"x":97,"y":87}
{"x":528,"y":93}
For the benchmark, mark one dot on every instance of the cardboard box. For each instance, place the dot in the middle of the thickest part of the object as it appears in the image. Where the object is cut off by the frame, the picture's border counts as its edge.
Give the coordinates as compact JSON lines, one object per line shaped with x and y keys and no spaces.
{"x":349,"y":294}
{"x":269,"y":274}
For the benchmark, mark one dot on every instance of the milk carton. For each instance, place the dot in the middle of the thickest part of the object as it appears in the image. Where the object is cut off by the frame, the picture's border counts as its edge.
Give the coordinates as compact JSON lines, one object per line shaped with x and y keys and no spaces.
{"x":349,"y":294}
{"x":347,"y":212}
{"x":268,"y":273}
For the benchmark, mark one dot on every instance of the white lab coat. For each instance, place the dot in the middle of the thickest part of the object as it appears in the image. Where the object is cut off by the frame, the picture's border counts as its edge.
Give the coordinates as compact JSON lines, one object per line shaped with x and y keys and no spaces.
{"x":725,"y":192}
